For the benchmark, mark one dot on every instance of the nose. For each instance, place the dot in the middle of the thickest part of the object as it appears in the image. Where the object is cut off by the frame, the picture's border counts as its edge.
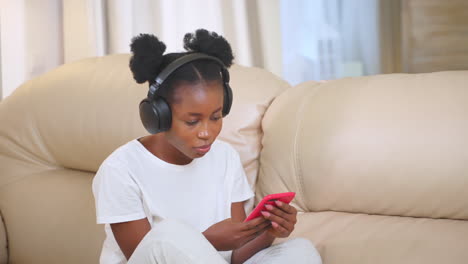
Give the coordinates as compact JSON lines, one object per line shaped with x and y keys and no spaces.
{"x":204,"y":133}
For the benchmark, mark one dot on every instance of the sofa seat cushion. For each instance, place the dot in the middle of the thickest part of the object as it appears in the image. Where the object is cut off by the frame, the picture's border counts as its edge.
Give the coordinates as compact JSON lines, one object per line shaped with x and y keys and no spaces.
{"x":49,"y":218}
{"x":359,"y":238}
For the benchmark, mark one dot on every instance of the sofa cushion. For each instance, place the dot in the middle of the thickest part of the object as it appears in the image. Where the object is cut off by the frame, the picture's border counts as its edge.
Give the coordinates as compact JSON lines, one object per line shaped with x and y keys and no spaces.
{"x":359,"y":238}
{"x":77,"y":114}
{"x":254,"y":90}
{"x":73,"y":117}
{"x":392,"y":144}
{"x":50,"y":218}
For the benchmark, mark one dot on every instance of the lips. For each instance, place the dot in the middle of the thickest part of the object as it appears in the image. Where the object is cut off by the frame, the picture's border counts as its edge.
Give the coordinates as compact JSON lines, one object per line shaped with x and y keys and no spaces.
{"x":203,"y":149}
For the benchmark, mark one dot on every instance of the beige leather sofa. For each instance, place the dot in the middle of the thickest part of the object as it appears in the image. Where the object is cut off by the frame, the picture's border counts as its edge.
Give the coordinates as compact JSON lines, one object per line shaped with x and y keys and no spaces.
{"x":379,"y":164}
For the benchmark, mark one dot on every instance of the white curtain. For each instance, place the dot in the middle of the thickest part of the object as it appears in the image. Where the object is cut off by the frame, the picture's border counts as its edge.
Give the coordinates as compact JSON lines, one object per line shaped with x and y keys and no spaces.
{"x":298,"y":40}
{"x":39,"y":35}
{"x":329,"y":39}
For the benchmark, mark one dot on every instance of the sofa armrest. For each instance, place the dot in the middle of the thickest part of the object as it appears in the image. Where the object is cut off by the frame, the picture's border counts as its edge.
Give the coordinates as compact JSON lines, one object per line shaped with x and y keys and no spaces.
{"x":3,"y":243}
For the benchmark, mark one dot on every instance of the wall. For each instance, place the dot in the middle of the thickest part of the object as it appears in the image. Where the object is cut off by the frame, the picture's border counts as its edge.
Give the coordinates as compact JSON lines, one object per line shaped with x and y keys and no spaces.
{"x":435,"y":35}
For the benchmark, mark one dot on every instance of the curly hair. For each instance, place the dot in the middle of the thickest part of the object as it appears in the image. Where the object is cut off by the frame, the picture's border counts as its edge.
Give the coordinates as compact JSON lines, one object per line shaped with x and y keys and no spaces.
{"x":148,"y":59}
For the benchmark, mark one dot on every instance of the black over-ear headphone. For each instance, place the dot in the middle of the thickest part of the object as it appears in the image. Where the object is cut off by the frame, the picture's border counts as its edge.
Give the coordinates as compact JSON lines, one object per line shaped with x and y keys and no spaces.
{"x":155,"y":112}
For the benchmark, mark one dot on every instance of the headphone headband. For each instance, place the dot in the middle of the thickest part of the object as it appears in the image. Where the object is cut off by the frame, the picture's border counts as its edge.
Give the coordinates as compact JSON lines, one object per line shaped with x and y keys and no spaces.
{"x":162,"y":76}
{"x":155,"y":112}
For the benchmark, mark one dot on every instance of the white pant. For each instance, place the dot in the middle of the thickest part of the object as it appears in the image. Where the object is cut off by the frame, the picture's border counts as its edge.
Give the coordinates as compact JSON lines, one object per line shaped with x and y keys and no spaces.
{"x":174,"y":242}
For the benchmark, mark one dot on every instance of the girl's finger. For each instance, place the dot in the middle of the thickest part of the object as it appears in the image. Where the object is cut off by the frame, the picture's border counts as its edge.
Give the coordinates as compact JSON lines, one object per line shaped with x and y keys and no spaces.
{"x":285,"y":223}
{"x":286,"y":207}
{"x":260,"y":228}
{"x":258,"y":232}
{"x":253,"y":223}
{"x":279,"y":212}
{"x":280,"y":229}
{"x":276,"y":211}
{"x":249,"y":238}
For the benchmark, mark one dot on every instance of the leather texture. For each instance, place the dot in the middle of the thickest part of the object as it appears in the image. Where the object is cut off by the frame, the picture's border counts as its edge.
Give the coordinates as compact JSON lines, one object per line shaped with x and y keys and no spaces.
{"x":361,"y":238}
{"x":58,"y":128}
{"x":379,"y":164}
{"x":389,"y":145}
{"x":254,"y":90}
{"x":50,"y":218}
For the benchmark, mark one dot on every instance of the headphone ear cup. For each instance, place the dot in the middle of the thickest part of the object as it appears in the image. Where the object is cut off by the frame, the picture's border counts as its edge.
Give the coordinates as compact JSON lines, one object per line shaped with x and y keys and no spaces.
{"x":164,"y":111}
{"x":149,"y":119}
{"x":155,"y":115}
{"x":227,"y":99}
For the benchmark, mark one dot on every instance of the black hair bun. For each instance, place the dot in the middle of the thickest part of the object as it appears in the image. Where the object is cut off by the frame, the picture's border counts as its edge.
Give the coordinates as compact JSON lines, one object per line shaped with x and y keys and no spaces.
{"x":209,"y":43}
{"x":147,"y":57}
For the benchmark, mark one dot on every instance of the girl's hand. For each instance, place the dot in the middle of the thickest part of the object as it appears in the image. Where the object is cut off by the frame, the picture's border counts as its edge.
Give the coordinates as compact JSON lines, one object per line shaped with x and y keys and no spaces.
{"x":230,"y":235}
{"x":282,"y":217}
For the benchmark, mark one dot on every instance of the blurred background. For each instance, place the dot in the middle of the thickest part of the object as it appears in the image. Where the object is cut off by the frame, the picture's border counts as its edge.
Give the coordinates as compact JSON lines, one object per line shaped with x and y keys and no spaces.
{"x":298,"y":40}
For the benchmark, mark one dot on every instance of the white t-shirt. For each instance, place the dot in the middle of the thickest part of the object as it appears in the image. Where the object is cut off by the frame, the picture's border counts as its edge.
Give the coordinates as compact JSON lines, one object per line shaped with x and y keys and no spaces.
{"x":132,"y":184}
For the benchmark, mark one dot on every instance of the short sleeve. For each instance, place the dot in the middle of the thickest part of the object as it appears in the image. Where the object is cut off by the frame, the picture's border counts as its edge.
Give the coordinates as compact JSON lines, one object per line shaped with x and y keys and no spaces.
{"x":117,"y":196}
{"x":241,"y":190}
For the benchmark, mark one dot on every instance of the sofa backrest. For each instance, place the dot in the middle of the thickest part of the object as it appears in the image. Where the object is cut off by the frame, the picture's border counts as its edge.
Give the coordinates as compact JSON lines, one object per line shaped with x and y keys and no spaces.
{"x":391,"y":144}
{"x":56,"y":130}
{"x":77,"y":114}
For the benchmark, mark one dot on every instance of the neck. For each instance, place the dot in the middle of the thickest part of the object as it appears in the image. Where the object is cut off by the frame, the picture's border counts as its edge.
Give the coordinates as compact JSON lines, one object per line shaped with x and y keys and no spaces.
{"x":159,"y":146}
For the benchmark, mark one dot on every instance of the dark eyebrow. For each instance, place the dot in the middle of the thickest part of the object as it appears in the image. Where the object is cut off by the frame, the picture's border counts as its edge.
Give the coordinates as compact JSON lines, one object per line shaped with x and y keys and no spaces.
{"x":198,"y":114}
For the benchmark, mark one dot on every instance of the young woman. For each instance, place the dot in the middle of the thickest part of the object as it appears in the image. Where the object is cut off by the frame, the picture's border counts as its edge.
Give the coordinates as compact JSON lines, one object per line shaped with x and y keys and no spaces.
{"x":177,"y":195}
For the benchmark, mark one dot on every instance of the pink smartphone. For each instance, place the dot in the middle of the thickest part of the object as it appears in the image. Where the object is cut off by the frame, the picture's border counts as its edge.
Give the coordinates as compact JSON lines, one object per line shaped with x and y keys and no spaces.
{"x":286,"y":197}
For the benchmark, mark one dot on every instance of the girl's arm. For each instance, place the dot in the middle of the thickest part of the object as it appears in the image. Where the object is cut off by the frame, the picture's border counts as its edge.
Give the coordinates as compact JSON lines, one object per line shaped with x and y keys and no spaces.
{"x":129,"y":234}
{"x":243,"y":253}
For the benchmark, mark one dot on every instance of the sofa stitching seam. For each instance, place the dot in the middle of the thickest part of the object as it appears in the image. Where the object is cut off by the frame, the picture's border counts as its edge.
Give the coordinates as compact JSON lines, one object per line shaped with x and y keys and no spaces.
{"x":297,"y":158}
{"x":7,"y":248}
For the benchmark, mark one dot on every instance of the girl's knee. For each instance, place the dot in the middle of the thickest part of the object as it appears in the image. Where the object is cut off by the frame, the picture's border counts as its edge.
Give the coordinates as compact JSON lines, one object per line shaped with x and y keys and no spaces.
{"x":172,"y":226}
{"x":305,"y":248}
{"x":300,"y":243}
